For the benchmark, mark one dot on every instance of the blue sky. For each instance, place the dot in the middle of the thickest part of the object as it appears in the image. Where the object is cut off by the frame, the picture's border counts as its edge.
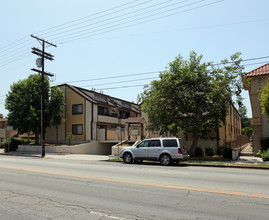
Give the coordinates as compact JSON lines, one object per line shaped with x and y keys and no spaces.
{"x":102,"y":39}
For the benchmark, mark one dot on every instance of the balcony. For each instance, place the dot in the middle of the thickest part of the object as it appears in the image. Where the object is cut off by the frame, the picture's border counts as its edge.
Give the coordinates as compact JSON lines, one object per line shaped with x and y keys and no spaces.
{"x":107,"y":119}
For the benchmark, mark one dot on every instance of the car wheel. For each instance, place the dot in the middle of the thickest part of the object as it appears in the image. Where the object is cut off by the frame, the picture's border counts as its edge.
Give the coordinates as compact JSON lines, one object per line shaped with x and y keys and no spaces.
{"x":165,"y":159}
{"x":127,"y":158}
{"x":138,"y":161}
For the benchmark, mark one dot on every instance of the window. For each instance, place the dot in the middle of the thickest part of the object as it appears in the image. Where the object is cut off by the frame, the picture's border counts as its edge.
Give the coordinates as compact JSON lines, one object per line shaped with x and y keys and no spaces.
{"x":100,"y":98}
{"x":77,"y":109}
{"x":126,"y":105}
{"x":144,"y":143}
{"x":170,"y":143}
{"x":103,"y":110}
{"x":155,"y":143}
{"x":124,"y":114}
{"x":77,"y":129}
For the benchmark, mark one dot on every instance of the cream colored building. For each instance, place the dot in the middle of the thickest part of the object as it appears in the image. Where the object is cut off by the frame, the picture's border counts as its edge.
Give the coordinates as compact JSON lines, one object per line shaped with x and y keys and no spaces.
{"x":229,"y":133}
{"x":98,"y":120}
{"x":254,"y":82}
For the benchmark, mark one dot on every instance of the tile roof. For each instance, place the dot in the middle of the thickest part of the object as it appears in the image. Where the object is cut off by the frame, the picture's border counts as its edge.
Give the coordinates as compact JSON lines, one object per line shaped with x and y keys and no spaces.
{"x":260,"y":71}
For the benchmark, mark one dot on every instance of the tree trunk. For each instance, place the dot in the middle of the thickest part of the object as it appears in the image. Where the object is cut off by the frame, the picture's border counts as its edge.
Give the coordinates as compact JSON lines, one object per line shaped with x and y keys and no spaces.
{"x":194,"y":145}
{"x":57,"y":136}
{"x":36,"y":138}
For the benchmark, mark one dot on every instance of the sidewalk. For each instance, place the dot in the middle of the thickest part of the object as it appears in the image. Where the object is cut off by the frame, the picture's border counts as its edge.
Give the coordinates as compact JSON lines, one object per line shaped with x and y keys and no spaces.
{"x":85,"y":157}
{"x":243,"y":161}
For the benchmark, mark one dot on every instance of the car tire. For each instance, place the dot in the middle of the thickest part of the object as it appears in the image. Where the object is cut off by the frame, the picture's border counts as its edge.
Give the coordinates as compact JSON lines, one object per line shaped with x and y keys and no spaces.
{"x":127,"y":158}
{"x":165,"y":159}
{"x":138,"y":161}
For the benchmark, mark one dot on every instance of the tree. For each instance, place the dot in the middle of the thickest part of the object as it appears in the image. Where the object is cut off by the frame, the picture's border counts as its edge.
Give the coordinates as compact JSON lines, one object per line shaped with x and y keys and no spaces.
{"x":245,"y":121}
{"x":24,"y":105}
{"x":56,"y":108}
{"x":192,"y":97}
{"x":264,"y":99}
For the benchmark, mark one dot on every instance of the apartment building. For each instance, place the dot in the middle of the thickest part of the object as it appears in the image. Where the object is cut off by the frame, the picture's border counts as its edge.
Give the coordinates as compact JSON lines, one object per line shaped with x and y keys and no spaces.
{"x":97,"y":119}
{"x":254,"y":82}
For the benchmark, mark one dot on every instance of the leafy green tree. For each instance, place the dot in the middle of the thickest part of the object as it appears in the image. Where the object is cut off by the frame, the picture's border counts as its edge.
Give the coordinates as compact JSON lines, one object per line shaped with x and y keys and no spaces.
{"x":56,"y":108}
{"x":247,"y":131}
{"x":245,"y":121}
{"x":23,"y":102}
{"x":192,"y":97}
{"x":264,"y":99}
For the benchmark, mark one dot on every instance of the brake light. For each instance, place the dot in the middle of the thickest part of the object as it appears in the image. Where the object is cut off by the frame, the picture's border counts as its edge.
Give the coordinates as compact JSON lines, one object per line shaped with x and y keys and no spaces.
{"x":179,"y":151}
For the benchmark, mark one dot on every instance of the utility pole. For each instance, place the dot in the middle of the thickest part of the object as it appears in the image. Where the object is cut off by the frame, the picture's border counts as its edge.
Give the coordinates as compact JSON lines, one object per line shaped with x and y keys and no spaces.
{"x":43,"y":55}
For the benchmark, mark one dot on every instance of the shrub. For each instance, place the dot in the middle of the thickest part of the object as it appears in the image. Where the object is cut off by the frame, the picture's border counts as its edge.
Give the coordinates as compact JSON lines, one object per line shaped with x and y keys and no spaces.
{"x":11,"y":144}
{"x":199,"y":152}
{"x":209,"y":151}
{"x":69,"y":138}
{"x":265,"y":155}
{"x":227,"y":152}
{"x":264,"y":143}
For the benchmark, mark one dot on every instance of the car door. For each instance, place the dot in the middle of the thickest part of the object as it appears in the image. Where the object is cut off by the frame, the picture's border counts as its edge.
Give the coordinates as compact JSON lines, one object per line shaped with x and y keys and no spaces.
{"x":154,"y":149}
{"x":141,"y":151}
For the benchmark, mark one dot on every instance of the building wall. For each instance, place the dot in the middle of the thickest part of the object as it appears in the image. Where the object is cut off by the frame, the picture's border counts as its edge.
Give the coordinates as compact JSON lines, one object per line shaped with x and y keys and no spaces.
{"x":88,"y":121}
{"x":259,"y":121}
{"x":73,"y":98}
{"x":229,"y":132}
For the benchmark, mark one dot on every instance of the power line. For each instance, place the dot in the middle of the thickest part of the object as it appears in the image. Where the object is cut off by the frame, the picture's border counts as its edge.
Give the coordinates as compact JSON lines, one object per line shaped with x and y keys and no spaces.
{"x":4,"y":48}
{"x":118,"y":16}
{"x":84,"y":17}
{"x":118,"y":82}
{"x":111,"y":77}
{"x":122,"y":87}
{"x":104,"y":30}
{"x":146,"y":73}
{"x":94,"y":18}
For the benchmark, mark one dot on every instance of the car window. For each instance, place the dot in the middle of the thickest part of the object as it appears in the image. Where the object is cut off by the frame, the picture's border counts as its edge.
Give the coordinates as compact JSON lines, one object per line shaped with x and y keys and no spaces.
{"x":155,"y":143}
{"x":144,"y":143}
{"x":170,"y":143}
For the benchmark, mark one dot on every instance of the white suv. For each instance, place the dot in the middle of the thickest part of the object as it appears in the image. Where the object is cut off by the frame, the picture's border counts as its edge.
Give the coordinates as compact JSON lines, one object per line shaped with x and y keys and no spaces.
{"x":166,"y":150}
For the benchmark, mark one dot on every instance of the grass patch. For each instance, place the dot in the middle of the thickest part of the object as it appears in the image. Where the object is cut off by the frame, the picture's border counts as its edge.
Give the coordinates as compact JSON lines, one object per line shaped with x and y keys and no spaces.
{"x":226,"y":164}
{"x":116,"y":160}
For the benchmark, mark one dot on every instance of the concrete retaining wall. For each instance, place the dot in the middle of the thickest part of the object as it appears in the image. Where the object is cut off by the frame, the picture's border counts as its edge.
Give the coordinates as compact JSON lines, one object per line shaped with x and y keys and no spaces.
{"x":94,"y":147}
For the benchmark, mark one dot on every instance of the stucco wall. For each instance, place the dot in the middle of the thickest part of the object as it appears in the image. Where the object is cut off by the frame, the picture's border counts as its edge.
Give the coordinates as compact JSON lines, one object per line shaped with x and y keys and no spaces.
{"x":73,"y":98}
{"x":259,"y":121}
{"x":94,"y":147}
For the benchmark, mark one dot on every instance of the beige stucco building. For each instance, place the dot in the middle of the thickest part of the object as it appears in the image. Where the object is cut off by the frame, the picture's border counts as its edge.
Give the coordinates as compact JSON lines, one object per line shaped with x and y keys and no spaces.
{"x":254,"y":82}
{"x":97,"y":120}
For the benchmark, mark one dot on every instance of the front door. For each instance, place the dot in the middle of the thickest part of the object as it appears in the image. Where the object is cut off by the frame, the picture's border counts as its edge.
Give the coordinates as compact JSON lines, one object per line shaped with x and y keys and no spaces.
{"x":154,"y":149}
{"x":141,"y":151}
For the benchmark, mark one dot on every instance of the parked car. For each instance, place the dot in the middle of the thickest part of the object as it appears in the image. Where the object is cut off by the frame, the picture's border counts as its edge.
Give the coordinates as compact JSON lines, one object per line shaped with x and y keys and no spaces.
{"x":166,"y":150}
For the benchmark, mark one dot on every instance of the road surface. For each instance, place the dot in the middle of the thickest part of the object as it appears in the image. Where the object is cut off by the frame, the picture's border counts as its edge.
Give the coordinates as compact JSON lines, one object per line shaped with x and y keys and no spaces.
{"x":43,"y":188}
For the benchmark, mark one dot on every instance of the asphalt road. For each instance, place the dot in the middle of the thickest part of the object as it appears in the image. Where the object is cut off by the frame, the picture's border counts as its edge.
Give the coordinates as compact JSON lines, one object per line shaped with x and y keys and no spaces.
{"x":36,"y":188}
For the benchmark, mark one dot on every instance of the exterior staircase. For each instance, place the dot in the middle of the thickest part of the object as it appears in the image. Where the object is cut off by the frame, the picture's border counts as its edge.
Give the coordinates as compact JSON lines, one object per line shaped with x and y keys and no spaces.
{"x":247,"y":151}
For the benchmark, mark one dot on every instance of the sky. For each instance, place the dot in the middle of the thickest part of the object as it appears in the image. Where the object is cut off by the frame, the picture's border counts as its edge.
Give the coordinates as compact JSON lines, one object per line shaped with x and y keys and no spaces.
{"x":119,"y":46}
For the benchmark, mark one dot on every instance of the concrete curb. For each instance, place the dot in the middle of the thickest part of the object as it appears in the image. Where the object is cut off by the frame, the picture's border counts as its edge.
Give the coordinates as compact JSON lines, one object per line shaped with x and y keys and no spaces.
{"x":240,"y":166}
{"x":20,"y":155}
{"x":77,"y":157}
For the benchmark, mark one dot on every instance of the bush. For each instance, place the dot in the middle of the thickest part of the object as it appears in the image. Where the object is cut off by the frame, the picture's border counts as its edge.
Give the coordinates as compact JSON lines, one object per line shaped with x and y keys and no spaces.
{"x":264,"y":155}
{"x":264,"y":143}
{"x":227,"y":152}
{"x":219,"y":151}
{"x":14,"y":143}
{"x":199,"y":152}
{"x":209,"y":151}
{"x":69,"y":138}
